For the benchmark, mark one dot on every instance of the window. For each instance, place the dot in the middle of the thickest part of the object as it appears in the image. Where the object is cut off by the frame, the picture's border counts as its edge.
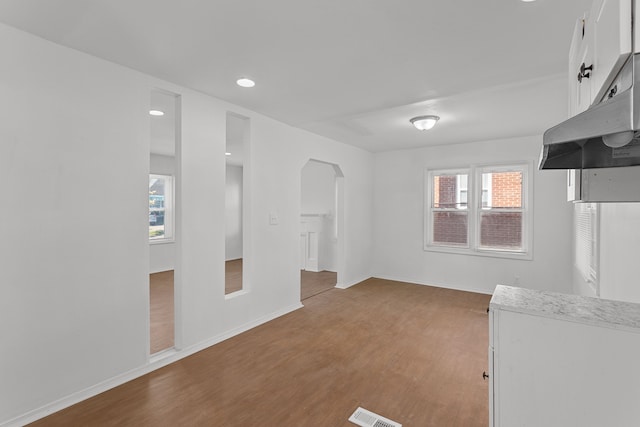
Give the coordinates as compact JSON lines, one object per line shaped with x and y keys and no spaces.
{"x":449,"y":209}
{"x":478,"y":210}
{"x":586,"y":242}
{"x":462,"y":190}
{"x":160,"y":207}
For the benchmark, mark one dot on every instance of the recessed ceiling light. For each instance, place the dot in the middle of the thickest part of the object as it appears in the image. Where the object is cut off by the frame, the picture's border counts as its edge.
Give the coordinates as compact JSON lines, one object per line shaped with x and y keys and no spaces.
{"x":227,"y":154}
{"x":156,"y":113}
{"x":245,"y":82}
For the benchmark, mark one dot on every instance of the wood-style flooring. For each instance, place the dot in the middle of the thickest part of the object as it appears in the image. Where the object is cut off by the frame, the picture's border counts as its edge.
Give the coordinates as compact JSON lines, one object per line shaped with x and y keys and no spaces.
{"x":161,"y":310}
{"x":313,"y":283}
{"x":161,"y":290}
{"x":233,"y":276}
{"x":412,"y":353}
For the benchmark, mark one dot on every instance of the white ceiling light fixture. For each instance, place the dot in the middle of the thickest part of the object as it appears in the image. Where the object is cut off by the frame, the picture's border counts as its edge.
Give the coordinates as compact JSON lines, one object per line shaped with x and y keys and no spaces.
{"x":156,"y":112}
{"x":424,"y":122}
{"x":227,"y":154}
{"x":245,"y":82}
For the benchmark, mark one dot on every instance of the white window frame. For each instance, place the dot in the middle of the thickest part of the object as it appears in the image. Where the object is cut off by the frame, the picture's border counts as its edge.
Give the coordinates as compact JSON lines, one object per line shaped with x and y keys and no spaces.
{"x":169,"y":209}
{"x":429,"y":197}
{"x":459,"y":189}
{"x":489,"y":193}
{"x":474,"y":210}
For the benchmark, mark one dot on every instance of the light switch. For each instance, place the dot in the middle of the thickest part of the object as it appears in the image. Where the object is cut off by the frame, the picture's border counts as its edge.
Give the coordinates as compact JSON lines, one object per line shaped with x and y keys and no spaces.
{"x":273,"y":218}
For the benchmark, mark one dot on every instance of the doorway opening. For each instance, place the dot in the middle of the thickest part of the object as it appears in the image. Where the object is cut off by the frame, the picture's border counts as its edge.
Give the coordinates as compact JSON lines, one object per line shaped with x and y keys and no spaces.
{"x":163,"y":174}
{"x":321,"y":227}
{"x":236,"y":196}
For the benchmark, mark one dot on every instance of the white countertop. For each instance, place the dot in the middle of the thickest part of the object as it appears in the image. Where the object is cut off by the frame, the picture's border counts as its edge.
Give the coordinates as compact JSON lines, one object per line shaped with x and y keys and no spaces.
{"x":574,"y":308}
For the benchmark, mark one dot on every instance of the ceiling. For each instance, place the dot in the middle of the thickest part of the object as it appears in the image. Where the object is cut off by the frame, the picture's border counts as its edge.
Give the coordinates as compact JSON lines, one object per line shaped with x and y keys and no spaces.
{"x":351,"y":70}
{"x":163,"y":129}
{"x":237,"y":131}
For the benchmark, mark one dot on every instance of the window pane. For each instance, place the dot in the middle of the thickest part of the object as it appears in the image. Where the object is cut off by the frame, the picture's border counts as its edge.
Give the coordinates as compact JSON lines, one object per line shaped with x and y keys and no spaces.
{"x":586,"y":243}
{"x":156,"y":207}
{"x":450,"y":191}
{"x":502,"y":190}
{"x":501,"y":230}
{"x":450,"y":228}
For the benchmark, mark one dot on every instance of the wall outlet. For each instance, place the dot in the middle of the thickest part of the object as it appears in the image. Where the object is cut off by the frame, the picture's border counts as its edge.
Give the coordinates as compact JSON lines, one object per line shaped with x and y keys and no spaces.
{"x":273,"y":218}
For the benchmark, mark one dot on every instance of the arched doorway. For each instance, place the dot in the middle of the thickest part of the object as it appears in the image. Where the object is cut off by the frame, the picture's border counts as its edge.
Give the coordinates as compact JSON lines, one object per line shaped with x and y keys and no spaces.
{"x":321,"y":227}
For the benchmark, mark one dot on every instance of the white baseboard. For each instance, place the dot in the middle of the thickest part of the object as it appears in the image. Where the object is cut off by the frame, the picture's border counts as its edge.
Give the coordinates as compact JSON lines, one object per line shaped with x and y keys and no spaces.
{"x":351,"y":283}
{"x":156,"y":361}
{"x":437,"y":285}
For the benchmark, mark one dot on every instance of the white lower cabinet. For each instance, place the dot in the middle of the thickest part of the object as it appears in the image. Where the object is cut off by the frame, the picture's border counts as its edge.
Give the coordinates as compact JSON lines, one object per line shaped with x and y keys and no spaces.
{"x":563,"y":360}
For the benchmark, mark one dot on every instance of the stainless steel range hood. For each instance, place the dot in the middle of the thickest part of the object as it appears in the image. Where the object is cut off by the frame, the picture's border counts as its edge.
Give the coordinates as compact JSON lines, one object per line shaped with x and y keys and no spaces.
{"x":604,"y":136}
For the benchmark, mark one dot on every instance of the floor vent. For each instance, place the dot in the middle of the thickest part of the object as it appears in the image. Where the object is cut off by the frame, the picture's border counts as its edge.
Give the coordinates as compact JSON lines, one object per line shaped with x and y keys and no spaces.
{"x":365,"y":418}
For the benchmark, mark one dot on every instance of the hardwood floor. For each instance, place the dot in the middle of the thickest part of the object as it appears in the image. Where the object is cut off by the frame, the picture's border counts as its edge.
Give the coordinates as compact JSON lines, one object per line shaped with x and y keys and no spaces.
{"x":312,"y":283}
{"x":412,"y":353}
{"x":233,"y":276}
{"x":161,"y":295}
{"x":162,"y":306}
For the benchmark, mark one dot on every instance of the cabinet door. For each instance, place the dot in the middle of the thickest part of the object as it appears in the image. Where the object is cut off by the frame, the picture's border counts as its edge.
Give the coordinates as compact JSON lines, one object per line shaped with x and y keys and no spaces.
{"x":492,"y":422}
{"x":611,"y":42}
{"x":585,"y":94}
{"x":576,"y":52}
{"x":492,"y":316}
{"x":557,"y":373}
{"x":580,"y":56}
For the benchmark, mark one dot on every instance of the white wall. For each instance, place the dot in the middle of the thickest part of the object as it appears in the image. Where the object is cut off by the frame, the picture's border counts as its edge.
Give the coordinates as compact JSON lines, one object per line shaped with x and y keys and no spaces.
{"x":399,"y":210}
{"x":233,"y":213}
{"x":319,"y":197}
{"x":162,"y":255}
{"x":74,"y":308}
{"x":74,"y":247}
{"x":318,"y":188}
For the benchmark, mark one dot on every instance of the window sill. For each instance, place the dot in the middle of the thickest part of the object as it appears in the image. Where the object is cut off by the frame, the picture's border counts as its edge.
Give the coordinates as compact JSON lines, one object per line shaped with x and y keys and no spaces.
{"x":236,"y":294}
{"x":523,"y":256}
{"x":161,"y":241}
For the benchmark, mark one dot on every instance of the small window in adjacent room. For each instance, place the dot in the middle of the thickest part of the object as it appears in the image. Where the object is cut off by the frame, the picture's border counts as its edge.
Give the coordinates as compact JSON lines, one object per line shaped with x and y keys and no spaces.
{"x":586,"y":242}
{"x":160,"y":208}
{"x":480,"y":210}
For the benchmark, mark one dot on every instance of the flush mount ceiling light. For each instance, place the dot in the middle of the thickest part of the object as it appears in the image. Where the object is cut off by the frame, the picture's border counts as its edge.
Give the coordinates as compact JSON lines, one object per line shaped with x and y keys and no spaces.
{"x":245,"y":82}
{"x":227,"y":154}
{"x":424,"y":122}
{"x":156,"y":112}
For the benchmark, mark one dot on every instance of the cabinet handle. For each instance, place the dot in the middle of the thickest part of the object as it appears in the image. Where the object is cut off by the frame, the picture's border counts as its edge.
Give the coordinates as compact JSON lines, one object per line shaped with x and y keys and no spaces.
{"x":584,"y":72}
{"x":485,"y":375}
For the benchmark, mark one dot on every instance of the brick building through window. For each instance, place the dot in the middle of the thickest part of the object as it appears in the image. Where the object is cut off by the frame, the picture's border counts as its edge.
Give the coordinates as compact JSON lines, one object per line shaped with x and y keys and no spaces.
{"x":478,"y":208}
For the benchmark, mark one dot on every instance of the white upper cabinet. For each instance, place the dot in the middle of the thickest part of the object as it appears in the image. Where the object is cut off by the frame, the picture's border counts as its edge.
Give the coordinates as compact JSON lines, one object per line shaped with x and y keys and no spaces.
{"x":602,"y":42}
{"x":611,"y":42}
{"x":579,"y":93}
